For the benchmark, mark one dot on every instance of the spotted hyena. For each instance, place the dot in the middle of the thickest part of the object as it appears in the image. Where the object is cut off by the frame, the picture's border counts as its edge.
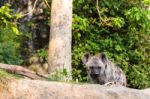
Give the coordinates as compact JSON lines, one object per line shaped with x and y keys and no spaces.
{"x":102,"y":71}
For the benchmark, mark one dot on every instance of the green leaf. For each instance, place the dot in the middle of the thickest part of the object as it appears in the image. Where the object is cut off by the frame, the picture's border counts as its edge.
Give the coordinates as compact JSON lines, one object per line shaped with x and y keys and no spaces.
{"x":15,"y":30}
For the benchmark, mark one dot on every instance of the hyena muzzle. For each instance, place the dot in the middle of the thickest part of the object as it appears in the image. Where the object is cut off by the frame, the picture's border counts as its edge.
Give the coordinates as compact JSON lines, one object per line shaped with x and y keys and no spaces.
{"x":102,"y":71}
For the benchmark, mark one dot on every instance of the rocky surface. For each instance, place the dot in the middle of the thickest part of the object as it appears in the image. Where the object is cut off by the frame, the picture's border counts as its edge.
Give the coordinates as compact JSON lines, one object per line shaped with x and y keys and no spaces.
{"x":35,"y":89}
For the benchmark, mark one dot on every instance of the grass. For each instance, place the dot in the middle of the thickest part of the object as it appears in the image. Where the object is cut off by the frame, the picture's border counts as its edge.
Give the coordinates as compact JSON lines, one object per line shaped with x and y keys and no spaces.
{"x":4,"y":74}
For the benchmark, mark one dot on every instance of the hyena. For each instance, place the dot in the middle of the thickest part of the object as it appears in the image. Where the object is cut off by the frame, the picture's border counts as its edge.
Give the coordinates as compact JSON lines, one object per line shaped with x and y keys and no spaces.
{"x":102,"y":71}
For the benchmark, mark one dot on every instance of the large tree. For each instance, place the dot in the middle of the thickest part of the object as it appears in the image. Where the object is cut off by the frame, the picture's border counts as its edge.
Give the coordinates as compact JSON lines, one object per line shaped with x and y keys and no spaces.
{"x":60,"y":35}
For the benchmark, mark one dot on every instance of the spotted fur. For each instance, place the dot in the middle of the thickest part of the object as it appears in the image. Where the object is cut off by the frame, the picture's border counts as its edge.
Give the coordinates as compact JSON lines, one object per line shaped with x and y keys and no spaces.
{"x":102,"y":71}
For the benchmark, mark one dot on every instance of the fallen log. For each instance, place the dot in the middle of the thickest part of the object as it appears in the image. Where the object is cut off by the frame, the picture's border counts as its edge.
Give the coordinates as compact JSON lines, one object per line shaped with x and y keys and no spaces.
{"x":20,"y":70}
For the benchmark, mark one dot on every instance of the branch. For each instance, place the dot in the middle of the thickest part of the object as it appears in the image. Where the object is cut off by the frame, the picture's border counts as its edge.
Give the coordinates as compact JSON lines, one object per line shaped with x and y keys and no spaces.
{"x":31,"y":10}
{"x":47,"y":3}
{"x":103,"y":21}
{"x":22,"y":71}
{"x":97,"y":7}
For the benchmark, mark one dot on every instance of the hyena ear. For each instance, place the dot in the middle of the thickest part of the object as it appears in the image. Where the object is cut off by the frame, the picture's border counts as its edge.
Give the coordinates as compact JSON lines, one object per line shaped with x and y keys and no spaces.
{"x":85,"y":58}
{"x":103,"y":57}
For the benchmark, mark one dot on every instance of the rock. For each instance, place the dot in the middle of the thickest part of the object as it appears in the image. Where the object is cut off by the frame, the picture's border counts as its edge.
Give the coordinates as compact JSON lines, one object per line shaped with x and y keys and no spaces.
{"x":35,"y":89}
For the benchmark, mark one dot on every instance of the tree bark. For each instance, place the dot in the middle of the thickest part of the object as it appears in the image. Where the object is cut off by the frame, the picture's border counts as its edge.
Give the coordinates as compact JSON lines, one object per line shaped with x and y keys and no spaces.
{"x":60,"y":36}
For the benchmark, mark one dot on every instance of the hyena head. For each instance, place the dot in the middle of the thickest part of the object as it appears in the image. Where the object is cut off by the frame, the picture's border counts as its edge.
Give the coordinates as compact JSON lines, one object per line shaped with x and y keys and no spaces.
{"x":95,"y":65}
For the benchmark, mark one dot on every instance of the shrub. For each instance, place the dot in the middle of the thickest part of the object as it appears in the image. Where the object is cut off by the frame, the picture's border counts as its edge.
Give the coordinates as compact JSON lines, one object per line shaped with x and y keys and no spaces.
{"x":121,"y":31}
{"x":9,"y":36}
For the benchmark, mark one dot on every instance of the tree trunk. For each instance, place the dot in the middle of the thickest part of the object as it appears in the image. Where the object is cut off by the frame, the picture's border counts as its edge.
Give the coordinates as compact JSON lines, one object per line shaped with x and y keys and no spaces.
{"x":60,"y":36}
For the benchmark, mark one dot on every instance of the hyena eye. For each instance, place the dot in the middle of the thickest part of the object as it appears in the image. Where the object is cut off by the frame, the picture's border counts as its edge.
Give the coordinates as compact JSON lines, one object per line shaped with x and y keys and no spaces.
{"x":91,"y":67}
{"x":99,"y":67}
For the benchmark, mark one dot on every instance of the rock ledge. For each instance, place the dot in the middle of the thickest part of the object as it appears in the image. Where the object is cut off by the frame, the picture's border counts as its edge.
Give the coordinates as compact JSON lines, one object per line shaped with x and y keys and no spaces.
{"x":35,"y":89}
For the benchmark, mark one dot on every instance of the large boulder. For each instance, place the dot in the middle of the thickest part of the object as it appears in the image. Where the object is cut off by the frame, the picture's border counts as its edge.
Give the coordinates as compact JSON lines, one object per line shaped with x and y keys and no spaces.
{"x":36,"y":89}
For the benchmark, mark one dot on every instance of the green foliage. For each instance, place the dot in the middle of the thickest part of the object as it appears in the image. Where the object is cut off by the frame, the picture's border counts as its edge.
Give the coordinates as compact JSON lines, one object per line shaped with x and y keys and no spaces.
{"x":9,"y":36}
{"x":122,"y":32}
{"x":139,"y":19}
{"x":60,"y":75}
{"x":118,"y":22}
{"x":42,"y":53}
{"x":79,"y":75}
{"x":4,"y":74}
